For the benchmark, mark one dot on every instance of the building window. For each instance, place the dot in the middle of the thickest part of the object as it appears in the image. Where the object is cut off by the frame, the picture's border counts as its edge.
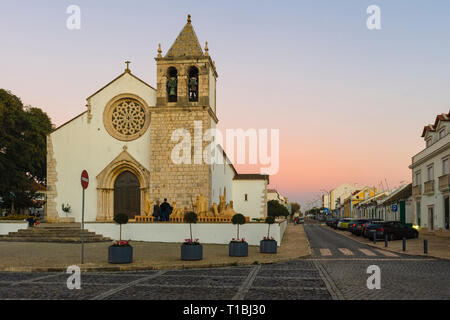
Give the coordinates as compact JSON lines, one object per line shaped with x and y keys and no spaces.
{"x":442,"y":133}
{"x":430,"y":173}
{"x":418,"y":179}
{"x":246,"y":197}
{"x":418,"y":213}
{"x":445,"y":167}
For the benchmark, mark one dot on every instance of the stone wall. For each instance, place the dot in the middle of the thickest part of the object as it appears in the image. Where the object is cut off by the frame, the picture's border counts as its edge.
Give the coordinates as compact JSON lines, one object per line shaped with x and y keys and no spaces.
{"x":51,"y":213}
{"x":177,"y":182}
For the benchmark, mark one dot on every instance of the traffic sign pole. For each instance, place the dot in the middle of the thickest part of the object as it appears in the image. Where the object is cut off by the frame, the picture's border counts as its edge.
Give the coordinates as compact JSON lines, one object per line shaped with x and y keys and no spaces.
{"x":82,"y":230}
{"x":84,"y":185}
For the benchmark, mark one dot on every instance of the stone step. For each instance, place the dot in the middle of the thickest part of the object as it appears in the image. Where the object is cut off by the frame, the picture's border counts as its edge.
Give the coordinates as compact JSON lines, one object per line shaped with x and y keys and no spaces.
{"x":62,"y":233}
{"x":52,"y":239}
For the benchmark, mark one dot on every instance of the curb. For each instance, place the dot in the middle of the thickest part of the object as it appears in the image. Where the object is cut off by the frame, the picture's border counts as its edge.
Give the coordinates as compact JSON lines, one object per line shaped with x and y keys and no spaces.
{"x":147,"y":267}
{"x":390,"y":250}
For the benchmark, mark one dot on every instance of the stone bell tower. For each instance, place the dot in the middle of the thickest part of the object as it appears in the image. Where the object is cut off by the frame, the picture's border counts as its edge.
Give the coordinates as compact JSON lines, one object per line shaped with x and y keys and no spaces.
{"x":186,"y":97}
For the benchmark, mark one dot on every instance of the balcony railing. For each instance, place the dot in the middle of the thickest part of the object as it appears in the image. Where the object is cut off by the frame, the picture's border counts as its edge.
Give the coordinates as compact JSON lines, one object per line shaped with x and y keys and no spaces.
{"x":444,"y":182}
{"x":417,"y":191}
{"x":429,"y":187}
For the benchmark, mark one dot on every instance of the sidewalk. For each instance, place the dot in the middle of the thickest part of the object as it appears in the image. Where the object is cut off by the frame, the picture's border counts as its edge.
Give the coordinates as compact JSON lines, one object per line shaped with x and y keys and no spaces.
{"x":33,"y":257}
{"x":438,"y":247}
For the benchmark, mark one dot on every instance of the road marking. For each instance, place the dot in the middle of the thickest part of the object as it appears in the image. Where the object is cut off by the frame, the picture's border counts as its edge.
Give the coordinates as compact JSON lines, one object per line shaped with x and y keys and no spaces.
{"x":325,"y":252}
{"x":125,"y":286}
{"x":245,"y":287}
{"x":346,"y":251}
{"x":367,"y":252}
{"x":387,"y":253}
{"x":371,"y":259}
{"x":36,"y":279}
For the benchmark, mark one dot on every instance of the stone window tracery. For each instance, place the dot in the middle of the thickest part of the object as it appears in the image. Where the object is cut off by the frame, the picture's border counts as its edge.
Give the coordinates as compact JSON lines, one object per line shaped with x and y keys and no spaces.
{"x":126,"y":118}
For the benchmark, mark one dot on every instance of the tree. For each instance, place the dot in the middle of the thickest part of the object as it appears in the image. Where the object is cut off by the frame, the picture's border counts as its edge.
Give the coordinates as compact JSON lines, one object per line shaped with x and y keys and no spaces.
{"x":238,"y":219}
{"x":23,"y":151}
{"x":295,"y":207}
{"x":121,"y":219}
{"x":275,"y":209}
{"x":190,"y":217}
{"x":269,"y":220}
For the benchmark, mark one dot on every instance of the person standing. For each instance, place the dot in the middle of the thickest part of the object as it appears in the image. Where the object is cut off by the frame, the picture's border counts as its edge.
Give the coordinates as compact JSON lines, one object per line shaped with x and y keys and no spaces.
{"x":165,"y":210}
{"x":157,"y":211}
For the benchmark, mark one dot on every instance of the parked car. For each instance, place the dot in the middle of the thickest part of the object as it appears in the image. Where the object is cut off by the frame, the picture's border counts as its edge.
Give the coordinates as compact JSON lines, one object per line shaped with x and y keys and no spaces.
{"x":343,"y":224}
{"x":353,"y":224}
{"x":396,"y":230}
{"x":331,"y":221}
{"x":375,"y":229}
{"x":361,"y":229}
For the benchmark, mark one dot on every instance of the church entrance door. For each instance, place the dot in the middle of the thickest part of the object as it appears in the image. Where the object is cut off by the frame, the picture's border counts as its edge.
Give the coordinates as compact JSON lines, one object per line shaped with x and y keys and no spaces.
{"x":127,"y":196}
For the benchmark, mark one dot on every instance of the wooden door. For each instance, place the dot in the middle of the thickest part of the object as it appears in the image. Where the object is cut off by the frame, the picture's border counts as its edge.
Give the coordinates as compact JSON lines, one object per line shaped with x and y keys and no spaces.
{"x":127,"y":195}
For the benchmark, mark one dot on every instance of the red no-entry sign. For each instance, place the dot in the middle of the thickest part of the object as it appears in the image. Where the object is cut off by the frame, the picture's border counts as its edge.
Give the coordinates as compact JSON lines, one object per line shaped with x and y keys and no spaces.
{"x":84,"y":179}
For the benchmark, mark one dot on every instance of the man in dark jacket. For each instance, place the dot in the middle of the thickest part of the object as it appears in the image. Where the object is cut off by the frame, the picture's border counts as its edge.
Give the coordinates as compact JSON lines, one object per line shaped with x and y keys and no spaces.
{"x":165,"y":210}
{"x":157,"y":211}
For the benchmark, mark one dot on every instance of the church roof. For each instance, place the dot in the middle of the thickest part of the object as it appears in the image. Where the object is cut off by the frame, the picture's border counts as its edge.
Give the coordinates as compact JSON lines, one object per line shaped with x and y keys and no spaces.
{"x":186,"y":44}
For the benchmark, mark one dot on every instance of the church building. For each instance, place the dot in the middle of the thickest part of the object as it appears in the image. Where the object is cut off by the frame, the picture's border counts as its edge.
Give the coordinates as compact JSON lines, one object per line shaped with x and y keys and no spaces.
{"x":125,"y":141}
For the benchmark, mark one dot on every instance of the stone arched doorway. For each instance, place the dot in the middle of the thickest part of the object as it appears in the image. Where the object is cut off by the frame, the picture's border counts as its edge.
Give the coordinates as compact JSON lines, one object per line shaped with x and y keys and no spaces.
{"x":135,"y":177}
{"x":127,"y":194}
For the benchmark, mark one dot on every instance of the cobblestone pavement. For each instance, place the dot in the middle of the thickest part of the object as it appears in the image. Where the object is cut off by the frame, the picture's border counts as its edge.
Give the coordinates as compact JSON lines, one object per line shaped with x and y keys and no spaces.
{"x":336,"y":270}
{"x":344,"y":263}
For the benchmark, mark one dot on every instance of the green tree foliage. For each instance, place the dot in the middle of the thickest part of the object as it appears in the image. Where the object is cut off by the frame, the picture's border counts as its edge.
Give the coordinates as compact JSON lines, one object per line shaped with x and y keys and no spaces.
{"x":295,"y":207}
{"x":121,"y":218}
{"x":275,"y":209}
{"x":238,"y":219}
{"x":23,"y":150}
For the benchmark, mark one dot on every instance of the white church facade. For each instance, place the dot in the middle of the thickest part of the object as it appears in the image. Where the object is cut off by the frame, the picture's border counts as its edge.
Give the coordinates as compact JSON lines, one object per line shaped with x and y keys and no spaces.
{"x":125,"y":141}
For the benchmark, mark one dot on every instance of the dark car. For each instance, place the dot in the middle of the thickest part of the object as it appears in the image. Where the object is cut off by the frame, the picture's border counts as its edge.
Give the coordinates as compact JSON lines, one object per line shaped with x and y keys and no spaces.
{"x":375,"y":229}
{"x":361,"y":229}
{"x":353,"y":223}
{"x":397,"y":230}
{"x":331,"y":221}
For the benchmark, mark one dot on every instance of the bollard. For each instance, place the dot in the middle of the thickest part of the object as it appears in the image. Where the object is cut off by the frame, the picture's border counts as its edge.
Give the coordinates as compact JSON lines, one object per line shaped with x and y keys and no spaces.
{"x":374,"y":238}
{"x":404,"y":244}
{"x":425,"y":246}
{"x":386,"y":240}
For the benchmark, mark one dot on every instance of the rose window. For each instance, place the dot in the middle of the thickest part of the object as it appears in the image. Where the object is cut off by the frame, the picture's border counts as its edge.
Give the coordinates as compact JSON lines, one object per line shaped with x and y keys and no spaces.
{"x":126,"y":119}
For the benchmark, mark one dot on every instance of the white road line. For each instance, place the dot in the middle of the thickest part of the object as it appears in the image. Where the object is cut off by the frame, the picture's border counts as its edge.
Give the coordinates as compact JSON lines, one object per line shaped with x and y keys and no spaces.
{"x":346,"y":251}
{"x":243,"y":289}
{"x":387,"y":253}
{"x":325,"y":252}
{"x":109,"y":293}
{"x":367,"y":252}
{"x":36,"y":279}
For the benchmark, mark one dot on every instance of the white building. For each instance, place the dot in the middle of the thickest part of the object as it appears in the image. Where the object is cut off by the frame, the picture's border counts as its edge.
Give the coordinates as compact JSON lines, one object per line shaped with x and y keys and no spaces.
{"x":334,"y":200}
{"x":431,"y":179}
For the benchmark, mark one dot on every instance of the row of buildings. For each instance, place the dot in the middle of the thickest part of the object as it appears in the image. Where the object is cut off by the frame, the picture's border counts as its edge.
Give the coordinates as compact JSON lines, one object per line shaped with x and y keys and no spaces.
{"x":424,"y":202}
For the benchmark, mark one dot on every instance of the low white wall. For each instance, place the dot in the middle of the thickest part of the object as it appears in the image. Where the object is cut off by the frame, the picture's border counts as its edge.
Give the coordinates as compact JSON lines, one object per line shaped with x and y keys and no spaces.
{"x":283,"y":226}
{"x":214,"y":233}
{"x":7,"y":227}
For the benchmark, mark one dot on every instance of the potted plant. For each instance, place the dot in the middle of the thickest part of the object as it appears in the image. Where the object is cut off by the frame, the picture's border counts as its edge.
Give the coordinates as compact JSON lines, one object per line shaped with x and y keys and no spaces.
{"x":66,"y":208}
{"x":191,"y":249}
{"x":238,"y":247}
{"x":120,"y":251}
{"x":268,"y":244}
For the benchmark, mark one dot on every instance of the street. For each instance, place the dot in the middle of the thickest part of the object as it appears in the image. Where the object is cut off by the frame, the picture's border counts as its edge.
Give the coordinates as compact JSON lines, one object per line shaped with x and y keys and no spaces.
{"x":337,"y":269}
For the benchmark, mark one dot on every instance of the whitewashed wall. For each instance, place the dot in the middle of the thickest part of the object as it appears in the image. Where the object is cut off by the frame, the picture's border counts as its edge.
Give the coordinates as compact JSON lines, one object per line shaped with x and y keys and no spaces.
{"x":222,"y":177}
{"x":255,"y":190}
{"x":81,"y":145}
{"x":213,"y":233}
{"x":7,"y":227}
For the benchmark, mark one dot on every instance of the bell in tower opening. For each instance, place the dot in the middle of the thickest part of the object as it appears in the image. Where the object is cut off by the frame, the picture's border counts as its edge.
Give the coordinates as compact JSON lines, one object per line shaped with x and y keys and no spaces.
{"x":172,"y":84}
{"x":193,"y":84}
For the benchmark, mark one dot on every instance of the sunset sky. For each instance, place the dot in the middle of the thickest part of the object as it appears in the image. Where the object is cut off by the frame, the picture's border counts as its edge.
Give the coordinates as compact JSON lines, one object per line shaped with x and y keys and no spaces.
{"x":350,"y":103}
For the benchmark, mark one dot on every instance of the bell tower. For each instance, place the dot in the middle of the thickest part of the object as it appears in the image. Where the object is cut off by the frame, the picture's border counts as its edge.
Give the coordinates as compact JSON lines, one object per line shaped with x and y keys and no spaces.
{"x":185,"y":101}
{"x":186,"y":75}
